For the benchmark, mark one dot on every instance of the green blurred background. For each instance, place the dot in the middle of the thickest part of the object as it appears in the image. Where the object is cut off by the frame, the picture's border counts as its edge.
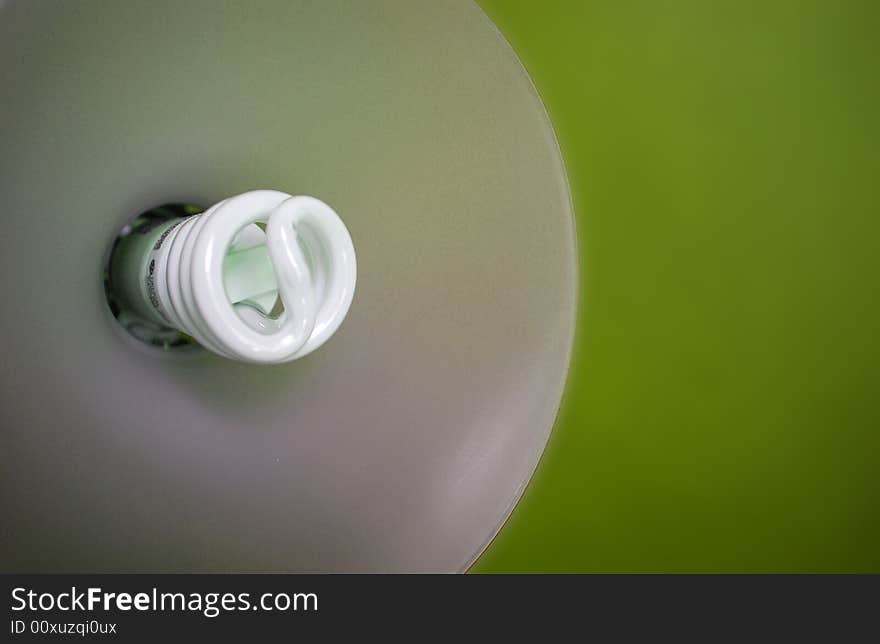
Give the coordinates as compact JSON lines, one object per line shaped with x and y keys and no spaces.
{"x":722,"y":407}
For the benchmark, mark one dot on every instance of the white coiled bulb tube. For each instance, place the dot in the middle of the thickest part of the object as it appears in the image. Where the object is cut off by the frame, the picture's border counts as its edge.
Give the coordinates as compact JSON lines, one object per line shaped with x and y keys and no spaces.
{"x":218,"y":275}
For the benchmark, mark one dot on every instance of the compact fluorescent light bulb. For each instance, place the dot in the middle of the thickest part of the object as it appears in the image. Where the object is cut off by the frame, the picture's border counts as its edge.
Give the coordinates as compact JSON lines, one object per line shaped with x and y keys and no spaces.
{"x":262,"y":277}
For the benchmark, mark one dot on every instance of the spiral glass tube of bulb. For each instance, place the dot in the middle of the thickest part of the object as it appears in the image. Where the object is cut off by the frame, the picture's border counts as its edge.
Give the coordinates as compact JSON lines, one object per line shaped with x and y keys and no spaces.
{"x":262,"y":277}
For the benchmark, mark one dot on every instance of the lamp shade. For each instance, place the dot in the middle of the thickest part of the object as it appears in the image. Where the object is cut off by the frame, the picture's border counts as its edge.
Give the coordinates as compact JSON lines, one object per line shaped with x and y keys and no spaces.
{"x":403,"y":443}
